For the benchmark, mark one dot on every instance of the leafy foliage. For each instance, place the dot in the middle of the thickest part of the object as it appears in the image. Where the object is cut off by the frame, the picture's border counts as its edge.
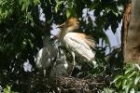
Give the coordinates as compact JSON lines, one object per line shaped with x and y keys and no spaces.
{"x":22,"y":32}
{"x":8,"y":90}
{"x":130,"y":80}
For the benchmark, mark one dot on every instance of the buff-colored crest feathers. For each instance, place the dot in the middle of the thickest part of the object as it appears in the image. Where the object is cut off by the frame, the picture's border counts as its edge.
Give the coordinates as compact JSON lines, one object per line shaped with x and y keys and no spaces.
{"x":72,"y":21}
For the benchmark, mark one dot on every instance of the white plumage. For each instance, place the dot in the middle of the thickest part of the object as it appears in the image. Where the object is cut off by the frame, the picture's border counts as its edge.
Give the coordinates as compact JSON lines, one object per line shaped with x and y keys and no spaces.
{"x":78,"y":46}
{"x":77,"y":43}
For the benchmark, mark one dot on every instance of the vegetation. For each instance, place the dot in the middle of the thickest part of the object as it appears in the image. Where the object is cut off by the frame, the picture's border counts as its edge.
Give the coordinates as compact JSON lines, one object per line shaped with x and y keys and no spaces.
{"x":22,"y":33}
{"x":130,"y":80}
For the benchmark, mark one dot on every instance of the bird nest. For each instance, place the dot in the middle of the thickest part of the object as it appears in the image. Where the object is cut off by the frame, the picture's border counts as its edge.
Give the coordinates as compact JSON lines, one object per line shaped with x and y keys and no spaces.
{"x":76,"y":85}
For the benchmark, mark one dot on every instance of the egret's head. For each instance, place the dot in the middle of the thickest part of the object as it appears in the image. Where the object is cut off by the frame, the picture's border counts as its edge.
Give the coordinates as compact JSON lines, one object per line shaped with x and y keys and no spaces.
{"x":70,"y":25}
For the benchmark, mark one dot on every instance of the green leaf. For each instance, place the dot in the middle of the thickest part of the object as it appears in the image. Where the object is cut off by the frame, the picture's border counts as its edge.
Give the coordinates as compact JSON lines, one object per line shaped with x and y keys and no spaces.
{"x":115,"y":13}
{"x":137,"y":67}
{"x":31,"y":44}
{"x":118,"y":84}
{"x":36,"y":2}
{"x":25,"y":4}
{"x":95,"y":4}
{"x":137,"y":80}
{"x":68,"y":13}
{"x":118,"y":81}
{"x":132,"y":74}
{"x":128,"y":71}
{"x":117,"y":78}
{"x":8,"y":90}
{"x":58,"y":4}
{"x":127,"y":88}
{"x":124,"y":82}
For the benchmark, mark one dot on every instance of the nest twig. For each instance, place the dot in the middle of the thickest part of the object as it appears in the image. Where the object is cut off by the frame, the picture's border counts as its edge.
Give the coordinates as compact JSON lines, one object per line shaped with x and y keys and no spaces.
{"x":77,"y":85}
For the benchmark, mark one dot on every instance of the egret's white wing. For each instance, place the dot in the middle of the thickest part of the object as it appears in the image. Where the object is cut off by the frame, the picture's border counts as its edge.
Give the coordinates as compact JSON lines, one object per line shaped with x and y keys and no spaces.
{"x":78,"y":45}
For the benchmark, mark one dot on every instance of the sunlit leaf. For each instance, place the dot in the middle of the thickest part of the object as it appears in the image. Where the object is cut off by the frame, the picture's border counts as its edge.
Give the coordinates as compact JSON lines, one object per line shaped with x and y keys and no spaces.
{"x":118,"y":81}
{"x":130,"y":69}
{"x":132,"y":74}
{"x":137,"y":80}
{"x":58,"y":4}
{"x":68,"y":13}
{"x":127,"y":89}
{"x":36,"y":2}
{"x":118,"y":84}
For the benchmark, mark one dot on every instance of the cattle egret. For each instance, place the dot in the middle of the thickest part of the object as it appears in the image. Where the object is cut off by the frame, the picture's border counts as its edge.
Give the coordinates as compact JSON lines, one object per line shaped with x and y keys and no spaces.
{"x":76,"y":43}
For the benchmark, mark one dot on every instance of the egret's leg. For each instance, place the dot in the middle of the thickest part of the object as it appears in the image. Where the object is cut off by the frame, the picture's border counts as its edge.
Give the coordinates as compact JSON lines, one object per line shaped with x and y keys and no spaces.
{"x":73,"y":62}
{"x":73,"y":57}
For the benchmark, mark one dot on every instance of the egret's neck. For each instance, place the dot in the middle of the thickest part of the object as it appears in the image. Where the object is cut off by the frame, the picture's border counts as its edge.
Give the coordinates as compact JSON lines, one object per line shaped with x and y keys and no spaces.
{"x":62,"y":33}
